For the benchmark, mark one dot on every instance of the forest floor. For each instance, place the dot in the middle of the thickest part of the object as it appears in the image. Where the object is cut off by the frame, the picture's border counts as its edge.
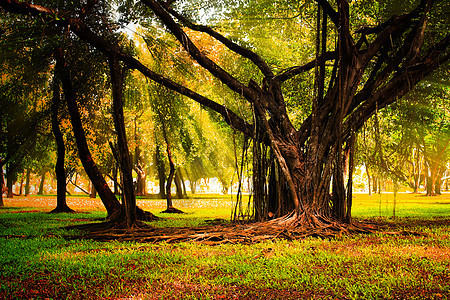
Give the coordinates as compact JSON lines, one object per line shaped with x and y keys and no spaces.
{"x":42,"y":259}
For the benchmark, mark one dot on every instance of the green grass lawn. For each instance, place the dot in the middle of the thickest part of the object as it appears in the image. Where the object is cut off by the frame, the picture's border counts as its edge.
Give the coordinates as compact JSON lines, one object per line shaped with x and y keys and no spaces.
{"x":37,"y":262}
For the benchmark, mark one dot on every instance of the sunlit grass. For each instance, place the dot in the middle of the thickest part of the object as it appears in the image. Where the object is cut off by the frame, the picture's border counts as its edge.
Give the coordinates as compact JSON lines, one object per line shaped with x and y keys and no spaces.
{"x":407,"y":205}
{"x":36,"y":260}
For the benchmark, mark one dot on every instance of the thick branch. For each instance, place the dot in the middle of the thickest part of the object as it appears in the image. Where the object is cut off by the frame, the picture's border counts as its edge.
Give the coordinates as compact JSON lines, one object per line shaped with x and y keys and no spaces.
{"x":390,"y":30}
{"x":201,"y":58}
{"x":255,"y":58}
{"x":294,"y":71}
{"x":402,"y":82}
{"x":102,"y":45}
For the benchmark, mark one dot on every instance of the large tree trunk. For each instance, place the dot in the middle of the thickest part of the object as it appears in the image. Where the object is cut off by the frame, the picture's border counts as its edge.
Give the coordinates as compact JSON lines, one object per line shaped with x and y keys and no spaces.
{"x":61,"y":204}
{"x":109,"y":200}
{"x":128,"y":196}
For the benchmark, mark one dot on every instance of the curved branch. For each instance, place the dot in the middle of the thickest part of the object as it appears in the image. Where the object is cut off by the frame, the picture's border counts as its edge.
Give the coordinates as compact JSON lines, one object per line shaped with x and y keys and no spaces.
{"x":201,"y":58}
{"x":390,"y":29}
{"x":84,"y":33}
{"x":402,"y":82}
{"x":247,"y":53}
{"x":293,"y":71}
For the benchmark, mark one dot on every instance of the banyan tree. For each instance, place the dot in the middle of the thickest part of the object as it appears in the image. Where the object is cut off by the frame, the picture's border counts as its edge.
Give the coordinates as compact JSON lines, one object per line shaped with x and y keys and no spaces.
{"x":302,"y":175}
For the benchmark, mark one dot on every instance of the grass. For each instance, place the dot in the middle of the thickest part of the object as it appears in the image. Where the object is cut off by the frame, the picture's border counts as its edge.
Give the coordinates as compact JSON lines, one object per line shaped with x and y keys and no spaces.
{"x":37,"y":262}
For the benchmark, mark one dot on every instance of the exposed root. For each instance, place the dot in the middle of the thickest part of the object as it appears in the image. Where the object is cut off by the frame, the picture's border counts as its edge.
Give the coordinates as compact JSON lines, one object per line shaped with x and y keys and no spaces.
{"x":173,"y":210}
{"x":145,"y":216}
{"x":290,"y":227}
{"x":64,"y":209}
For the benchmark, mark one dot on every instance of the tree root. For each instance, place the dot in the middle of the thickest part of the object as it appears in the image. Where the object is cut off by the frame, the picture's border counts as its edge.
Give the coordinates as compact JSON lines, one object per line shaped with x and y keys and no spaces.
{"x":145,"y":216}
{"x":172,"y":210}
{"x":289,"y":227}
{"x":64,"y":209}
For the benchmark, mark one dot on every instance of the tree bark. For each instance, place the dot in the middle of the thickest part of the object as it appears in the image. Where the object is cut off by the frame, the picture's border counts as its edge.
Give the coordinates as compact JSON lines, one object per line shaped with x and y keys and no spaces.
{"x":128,"y":196}
{"x":183,"y":184}
{"x":27,"y":182}
{"x":109,"y":200}
{"x":169,"y":179}
{"x":161,"y":172}
{"x":22,"y":177}
{"x":61,"y":203}
{"x":2,"y":185}
{"x":369,"y":179}
{"x":42,"y":182}
{"x":177,"y":181}
{"x":170,"y":208}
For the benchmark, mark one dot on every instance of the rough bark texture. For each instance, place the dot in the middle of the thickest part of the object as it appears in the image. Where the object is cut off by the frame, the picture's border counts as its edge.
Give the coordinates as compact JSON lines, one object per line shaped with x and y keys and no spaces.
{"x":128,"y":197}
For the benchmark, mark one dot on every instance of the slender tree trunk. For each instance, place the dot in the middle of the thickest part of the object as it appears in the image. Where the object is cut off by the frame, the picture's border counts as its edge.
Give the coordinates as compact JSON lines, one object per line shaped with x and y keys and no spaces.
{"x":114,"y":175}
{"x":42,"y":182}
{"x":61,"y":204}
{"x":140,"y":172}
{"x":2,"y":184}
{"x":22,"y":177}
{"x":169,"y":179}
{"x":27,"y":182}
{"x":180,"y":174}
{"x":417,"y":171}
{"x":10,"y":180}
{"x":396,"y":188}
{"x":161,"y":172}
{"x":170,"y":207}
{"x":369,"y":180}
